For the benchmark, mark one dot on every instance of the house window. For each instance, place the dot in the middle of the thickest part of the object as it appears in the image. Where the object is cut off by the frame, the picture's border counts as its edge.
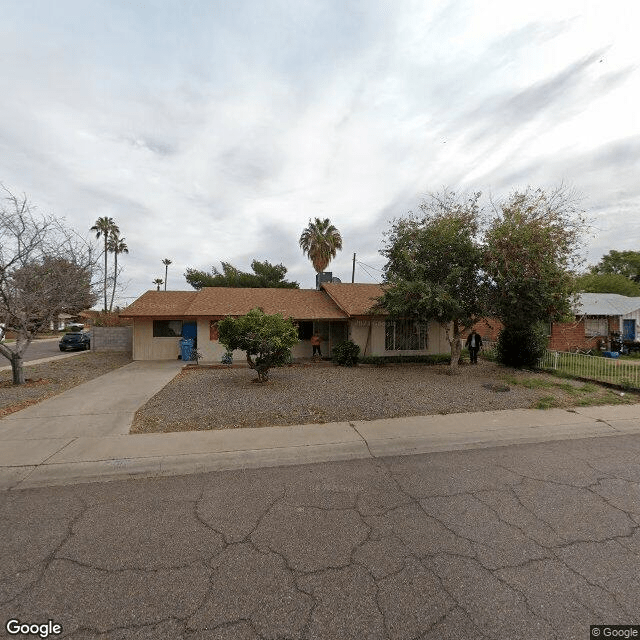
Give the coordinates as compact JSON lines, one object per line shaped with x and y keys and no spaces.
{"x":405,"y":335}
{"x":596,"y":327}
{"x":167,"y":328}
{"x":305,"y":330}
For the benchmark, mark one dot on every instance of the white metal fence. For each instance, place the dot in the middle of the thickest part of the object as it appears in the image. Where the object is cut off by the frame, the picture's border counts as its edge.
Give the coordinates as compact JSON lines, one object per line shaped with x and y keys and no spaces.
{"x":622,"y":372}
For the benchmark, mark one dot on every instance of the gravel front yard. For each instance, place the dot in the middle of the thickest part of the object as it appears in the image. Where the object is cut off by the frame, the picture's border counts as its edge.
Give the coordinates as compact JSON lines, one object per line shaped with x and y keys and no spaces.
{"x":51,"y":378}
{"x":200,"y":399}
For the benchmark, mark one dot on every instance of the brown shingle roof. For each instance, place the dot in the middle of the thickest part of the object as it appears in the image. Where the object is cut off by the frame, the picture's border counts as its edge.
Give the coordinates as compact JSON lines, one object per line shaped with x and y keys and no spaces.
{"x":160,"y":304}
{"x":300,"y":304}
{"x":356,"y":299}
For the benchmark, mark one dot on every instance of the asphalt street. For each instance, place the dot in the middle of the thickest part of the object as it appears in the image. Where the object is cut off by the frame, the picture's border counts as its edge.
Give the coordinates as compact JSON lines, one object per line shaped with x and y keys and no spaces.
{"x":42,"y":349}
{"x":534,"y":541}
{"x":38,"y":349}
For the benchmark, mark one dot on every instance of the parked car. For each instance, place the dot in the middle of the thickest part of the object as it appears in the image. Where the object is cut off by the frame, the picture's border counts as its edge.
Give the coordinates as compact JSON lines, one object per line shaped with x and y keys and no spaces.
{"x":76,"y":341}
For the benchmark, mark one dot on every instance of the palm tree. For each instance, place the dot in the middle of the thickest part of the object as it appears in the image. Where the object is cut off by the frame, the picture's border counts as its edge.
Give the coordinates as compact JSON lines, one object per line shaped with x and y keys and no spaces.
{"x":103,"y":227}
{"x":166,"y":262}
{"x":320,"y":241}
{"x":158,"y":282}
{"x":116,"y":245}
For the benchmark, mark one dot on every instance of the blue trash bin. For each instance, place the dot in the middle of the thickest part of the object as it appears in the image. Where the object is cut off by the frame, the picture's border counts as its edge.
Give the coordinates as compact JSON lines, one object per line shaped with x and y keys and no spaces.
{"x":186,"y":347}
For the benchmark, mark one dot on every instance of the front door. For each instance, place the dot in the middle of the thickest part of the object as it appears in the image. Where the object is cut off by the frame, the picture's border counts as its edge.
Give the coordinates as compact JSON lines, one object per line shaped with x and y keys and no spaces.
{"x":628,"y":329}
{"x":331,"y":333}
{"x":190,"y":330}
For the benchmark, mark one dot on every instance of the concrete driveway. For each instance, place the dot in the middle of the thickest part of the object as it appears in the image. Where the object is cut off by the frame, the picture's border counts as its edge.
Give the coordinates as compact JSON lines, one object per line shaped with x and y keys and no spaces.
{"x":507,"y":543}
{"x":103,"y":406}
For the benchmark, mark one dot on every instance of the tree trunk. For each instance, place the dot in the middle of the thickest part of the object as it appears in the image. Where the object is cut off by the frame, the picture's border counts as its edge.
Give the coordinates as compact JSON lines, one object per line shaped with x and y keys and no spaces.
{"x":115,"y":275}
{"x":17,"y":369}
{"x":456,"y":346}
{"x":105,"y":271}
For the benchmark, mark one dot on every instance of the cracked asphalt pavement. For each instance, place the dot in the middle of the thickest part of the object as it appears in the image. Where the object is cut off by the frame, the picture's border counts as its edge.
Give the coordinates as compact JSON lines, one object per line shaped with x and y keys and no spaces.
{"x":529,"y":541}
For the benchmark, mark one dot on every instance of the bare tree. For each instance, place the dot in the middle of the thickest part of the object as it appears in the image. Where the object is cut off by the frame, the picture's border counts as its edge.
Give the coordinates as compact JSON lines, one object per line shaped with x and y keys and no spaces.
{"x":45,"y":269}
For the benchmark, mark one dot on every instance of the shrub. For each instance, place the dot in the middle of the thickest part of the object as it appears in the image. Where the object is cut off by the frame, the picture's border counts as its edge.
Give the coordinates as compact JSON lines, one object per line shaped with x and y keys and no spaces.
{"x":521,"y":346}
{"x":346,"y":353}
{"x":266,"y":339}
{"x":227,"y":358}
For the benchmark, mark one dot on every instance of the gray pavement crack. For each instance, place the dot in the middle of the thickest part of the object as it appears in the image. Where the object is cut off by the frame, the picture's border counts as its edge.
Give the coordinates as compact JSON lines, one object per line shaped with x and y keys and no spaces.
{"x":134,"y":569}
{"x":51,"y":556}
{"x":512,"y":524}
{"x":593,"y":584}
{"x":40,"y":464}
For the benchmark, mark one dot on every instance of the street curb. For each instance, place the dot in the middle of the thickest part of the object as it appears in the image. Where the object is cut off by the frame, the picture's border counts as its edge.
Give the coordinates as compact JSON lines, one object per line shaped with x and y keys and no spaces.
{"x":120,"y":457}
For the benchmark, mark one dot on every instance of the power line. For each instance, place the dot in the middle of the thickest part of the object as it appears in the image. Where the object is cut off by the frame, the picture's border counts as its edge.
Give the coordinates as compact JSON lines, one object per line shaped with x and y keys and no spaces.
{"x":370,"y":267}
{"x":365,"y":270}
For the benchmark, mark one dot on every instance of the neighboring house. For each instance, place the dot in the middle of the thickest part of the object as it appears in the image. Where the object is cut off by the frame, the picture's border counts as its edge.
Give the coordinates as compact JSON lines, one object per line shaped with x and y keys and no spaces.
{"x":598,"y":317}
{"x":63,"y":321}
{"x":337,"y":312}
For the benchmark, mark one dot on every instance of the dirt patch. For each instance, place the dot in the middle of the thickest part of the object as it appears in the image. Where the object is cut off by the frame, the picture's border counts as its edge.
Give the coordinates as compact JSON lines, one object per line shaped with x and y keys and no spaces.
{"x":202,"y":399}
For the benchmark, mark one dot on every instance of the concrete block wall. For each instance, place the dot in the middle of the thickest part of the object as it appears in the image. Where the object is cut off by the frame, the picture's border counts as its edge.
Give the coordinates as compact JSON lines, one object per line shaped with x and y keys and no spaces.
{"x":112,"y":339}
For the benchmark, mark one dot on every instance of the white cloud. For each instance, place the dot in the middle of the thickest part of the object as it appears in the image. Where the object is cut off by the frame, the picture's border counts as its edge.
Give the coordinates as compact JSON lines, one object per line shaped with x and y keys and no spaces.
{"x":214,"y":132}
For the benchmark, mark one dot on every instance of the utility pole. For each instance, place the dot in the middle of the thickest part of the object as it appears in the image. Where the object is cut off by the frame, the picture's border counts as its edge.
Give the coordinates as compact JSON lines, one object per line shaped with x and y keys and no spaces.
{"x":353,"y":271}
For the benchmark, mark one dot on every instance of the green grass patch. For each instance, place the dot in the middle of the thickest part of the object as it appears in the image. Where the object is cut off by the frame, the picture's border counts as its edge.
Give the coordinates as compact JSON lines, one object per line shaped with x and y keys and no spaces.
{"x":529,"y":383}
{"x":546,"y":402}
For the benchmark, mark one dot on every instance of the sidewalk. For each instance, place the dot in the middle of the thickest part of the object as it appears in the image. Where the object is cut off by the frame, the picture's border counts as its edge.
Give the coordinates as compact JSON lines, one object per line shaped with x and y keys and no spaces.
{"x":83,"y":435}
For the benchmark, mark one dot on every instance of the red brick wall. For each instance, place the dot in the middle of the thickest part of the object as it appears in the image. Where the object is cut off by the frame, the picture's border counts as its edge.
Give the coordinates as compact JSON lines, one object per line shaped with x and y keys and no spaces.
{"x":566,"y":336}
{"x":488,"y":328}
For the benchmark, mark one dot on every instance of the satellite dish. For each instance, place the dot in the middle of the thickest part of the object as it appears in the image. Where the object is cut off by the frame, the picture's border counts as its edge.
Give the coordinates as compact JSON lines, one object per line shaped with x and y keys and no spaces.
{"x":336,"y":280}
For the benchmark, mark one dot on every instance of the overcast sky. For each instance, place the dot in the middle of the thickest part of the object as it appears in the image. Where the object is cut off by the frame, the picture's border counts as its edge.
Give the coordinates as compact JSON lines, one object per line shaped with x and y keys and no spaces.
{"x":215,"y":130}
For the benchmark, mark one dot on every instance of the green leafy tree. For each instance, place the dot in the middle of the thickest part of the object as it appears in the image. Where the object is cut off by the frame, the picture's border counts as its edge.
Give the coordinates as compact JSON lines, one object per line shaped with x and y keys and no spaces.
{"x":264,"y":275}
{"x":532,"y":252}
{"x":433,"y":269}
{"x":320,"y":241}
{"x":104,"y":227}
{"x":624,"y":263}
{"x":266,"y":339}
{"x":158,"y":282}
{"x":607,"y":283}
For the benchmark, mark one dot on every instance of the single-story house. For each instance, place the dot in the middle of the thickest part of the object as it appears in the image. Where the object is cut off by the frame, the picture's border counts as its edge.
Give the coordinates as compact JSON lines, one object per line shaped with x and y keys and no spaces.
{"x":336,"y":312}
{"x":598,"y":317}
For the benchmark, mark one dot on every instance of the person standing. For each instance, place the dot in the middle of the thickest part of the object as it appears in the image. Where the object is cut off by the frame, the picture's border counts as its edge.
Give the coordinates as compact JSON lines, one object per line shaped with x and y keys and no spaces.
{"x":315,"y":343}
{"x":474,"y":342}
